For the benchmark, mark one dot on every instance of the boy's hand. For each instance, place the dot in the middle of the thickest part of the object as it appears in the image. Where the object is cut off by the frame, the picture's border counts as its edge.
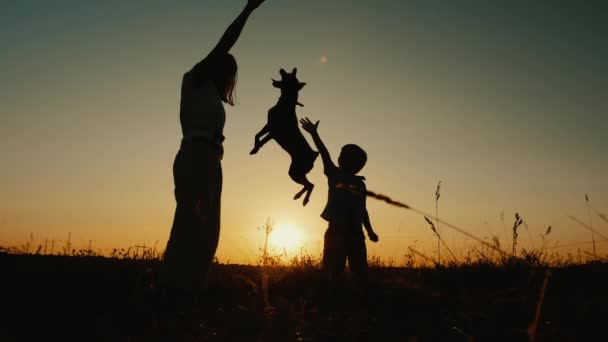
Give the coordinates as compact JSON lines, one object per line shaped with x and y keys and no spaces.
{"x":308,"y":126}
{"x":373,"y":236}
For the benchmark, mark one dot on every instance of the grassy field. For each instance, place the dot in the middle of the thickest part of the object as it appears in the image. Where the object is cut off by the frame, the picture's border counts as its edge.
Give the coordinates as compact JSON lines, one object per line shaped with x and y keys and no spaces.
{"x":91,"y":298}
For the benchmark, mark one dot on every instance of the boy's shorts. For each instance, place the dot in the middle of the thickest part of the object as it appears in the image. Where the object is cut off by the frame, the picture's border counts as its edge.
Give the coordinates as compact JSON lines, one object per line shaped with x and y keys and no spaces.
{"x":341,"y":245}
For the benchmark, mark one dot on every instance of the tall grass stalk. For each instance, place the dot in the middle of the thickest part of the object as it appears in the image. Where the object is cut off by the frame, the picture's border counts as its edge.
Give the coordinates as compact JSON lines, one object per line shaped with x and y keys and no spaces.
{"x":545,"y":240}
{"x":29,"y":244}
{"x":539,"y":304}
{"x":402,"y":205}
{"x":586,"y":226}
{"x":68,"y":245}
{"x":420,"y":254}
{"x":591,"y":226}
{"x":437,"y":195}
{"x":516,"y":224}
{"x":504,"y":227}
{"x":267,"y":228}
{"x":602,"y":216}
{"x":434,"y":229}
{"x":529,"y":235}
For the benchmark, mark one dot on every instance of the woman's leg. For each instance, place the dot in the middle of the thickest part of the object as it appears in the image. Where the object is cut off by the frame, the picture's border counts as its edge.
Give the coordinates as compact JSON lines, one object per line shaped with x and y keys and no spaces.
{"x":176,"y":269}
{"x":196,"y":225}
{"x":211,"y":221}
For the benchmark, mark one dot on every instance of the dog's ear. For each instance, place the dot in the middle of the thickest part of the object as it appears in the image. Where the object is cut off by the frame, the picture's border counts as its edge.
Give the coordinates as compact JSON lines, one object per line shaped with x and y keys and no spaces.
{"x":283,"y":72}
{"x":295,"y":71}
{"x":301,"y":85}
{"x":277,"y":84}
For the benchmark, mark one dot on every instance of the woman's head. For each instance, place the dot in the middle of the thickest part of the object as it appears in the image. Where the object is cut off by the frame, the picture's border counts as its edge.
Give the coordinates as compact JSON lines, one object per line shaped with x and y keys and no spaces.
{"x":225,"y":77}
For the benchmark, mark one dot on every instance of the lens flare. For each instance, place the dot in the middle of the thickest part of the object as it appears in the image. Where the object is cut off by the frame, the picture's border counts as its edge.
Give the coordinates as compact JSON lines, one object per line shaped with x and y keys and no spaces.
{"x":286,"y":236}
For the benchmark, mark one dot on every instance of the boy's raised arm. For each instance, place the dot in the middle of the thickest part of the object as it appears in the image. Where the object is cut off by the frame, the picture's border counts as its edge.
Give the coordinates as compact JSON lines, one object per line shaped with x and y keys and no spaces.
{"x":311,"y":128}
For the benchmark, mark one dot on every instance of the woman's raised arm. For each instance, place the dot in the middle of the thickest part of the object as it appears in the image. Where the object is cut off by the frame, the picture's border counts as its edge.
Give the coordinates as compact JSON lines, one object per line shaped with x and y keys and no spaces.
{"x":234,"y":30}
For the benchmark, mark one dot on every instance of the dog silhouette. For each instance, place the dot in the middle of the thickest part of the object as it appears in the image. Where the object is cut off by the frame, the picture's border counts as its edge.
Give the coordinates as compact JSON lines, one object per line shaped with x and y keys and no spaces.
{"x":282,"y":126}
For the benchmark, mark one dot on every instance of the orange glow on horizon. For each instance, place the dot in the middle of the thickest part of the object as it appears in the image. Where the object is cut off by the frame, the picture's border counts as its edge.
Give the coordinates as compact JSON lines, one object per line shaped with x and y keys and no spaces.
{"x":286,"y":237}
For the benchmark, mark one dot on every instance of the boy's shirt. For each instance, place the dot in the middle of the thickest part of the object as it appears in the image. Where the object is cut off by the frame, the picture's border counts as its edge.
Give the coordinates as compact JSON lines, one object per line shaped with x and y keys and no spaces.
{"x":344,"y":207}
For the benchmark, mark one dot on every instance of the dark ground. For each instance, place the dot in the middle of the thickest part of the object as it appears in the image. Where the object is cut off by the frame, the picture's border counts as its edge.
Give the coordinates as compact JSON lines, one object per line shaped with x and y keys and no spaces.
{"x":68,"y":298}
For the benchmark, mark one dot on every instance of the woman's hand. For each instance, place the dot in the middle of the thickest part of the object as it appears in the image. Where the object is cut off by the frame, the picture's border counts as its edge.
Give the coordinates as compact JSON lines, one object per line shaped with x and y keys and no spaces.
{"x":253,"y":4}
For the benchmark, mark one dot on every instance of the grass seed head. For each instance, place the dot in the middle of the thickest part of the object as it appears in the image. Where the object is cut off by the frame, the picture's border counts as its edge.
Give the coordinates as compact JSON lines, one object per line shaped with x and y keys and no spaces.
{"x":431,"y":225}
{"x":438,"y":191}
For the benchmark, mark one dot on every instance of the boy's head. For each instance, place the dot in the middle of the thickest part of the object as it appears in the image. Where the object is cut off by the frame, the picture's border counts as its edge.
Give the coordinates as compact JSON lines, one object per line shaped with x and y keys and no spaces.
{"x":352,"y":159}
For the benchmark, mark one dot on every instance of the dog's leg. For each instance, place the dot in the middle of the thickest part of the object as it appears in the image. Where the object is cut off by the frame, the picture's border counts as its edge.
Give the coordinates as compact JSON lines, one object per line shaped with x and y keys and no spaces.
{"x":299,"y":176}
{"x":300,"y":193}
{"x":307,"y":189}
{"x":257,"y":143}
{"x":308,"y":192}
{"x":260,"y":143}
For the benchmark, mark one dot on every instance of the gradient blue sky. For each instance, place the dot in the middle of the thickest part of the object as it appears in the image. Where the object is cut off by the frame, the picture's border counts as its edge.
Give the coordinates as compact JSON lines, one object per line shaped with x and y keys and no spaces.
{"x":504,"y":101}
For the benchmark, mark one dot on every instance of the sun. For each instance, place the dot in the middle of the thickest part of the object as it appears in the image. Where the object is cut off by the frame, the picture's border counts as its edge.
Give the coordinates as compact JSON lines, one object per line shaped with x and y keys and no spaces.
{"x":286,"y":236}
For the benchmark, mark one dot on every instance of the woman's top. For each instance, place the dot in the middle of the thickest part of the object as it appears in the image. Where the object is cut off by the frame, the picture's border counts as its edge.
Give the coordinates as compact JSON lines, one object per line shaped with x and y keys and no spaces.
{"x":202,"y":115}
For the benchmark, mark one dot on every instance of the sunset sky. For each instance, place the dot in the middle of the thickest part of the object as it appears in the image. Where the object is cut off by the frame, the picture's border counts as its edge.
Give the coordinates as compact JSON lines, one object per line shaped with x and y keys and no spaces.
{"x":505,"y":102}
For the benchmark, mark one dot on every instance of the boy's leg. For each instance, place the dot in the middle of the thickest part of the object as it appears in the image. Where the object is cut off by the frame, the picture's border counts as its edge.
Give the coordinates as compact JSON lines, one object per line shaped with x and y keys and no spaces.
{"x":357,"y":261}
{"x":334,"y":258}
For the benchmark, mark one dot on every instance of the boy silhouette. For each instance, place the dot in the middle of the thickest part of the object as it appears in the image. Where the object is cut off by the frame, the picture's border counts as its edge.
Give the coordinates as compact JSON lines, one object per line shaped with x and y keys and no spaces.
{"x":345,"y":210}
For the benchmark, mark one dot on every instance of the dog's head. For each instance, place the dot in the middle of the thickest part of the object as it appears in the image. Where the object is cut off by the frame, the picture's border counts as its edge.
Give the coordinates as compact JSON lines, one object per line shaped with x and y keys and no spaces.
{"x":289,"y":82}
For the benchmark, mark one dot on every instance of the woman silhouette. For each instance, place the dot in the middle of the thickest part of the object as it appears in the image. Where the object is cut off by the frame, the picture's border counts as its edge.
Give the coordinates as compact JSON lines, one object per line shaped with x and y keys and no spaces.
{"x":197,"y":170}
